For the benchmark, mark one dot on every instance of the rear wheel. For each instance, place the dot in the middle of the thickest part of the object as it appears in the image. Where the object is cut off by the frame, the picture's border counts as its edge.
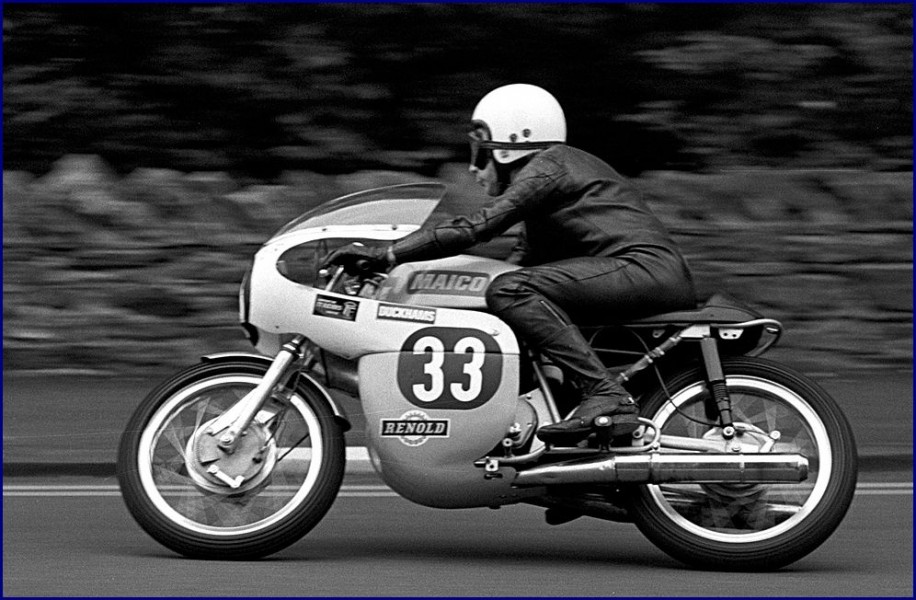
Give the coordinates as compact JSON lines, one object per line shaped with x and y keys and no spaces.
{"x":752,"y":526}
{"x":279,"y":483}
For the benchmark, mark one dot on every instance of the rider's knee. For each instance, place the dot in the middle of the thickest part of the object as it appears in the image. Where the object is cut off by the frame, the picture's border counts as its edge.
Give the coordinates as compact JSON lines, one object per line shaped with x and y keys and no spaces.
{"x":505,"y":290}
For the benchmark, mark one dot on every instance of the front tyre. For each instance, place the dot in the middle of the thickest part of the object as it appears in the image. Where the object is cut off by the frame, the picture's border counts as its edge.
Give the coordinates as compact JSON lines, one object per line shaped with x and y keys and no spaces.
{"x":751,"y":526}
{"x":295,"y":463}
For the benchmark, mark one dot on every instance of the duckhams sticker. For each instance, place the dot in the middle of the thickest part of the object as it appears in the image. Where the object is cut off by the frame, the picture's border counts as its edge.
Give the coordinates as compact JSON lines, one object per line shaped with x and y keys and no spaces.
{"x":395,"y":312}
{"x":414,"y":428}
{"x":329,"y":306}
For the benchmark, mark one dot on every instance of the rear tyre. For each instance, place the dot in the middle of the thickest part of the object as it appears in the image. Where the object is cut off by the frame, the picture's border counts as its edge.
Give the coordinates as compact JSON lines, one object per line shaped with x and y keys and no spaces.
{"x":177,"y":503}
{"x":752,"y":526}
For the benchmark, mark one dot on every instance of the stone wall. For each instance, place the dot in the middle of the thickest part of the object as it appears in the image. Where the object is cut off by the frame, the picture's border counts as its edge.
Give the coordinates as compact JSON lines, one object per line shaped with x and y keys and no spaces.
{"x":136,"y":274}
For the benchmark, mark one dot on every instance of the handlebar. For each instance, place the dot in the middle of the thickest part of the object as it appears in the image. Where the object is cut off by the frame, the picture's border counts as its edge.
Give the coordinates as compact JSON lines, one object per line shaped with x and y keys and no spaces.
{"x":334,"y":279}
{"x":365,"y":274}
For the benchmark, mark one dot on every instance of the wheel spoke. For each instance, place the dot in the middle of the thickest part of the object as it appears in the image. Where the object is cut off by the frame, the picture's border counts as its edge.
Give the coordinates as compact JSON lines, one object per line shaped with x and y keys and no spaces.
{"x":201,"y":411}
{"x":741,"y":510}
{"x":202,"y":502}
{"x":294,"y":446}
{"x":178,"y":444}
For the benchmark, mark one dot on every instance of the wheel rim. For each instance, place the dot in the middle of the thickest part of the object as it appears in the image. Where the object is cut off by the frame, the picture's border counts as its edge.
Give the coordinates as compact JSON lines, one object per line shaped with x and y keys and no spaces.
{"x":170,"y":487}
{"x":741,"y":513}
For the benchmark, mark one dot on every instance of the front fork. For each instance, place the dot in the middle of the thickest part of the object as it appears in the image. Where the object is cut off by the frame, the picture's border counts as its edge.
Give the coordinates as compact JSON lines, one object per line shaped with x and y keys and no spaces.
{"x":239,"y":416}
{"x":236,"y":420}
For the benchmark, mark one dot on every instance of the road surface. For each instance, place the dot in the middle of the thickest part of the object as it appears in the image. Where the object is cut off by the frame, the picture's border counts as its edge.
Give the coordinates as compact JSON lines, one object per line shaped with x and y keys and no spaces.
{"x":61,"y":540}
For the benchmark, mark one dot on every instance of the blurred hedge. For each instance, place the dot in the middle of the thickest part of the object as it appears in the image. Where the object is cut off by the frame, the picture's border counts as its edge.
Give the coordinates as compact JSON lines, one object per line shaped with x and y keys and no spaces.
{"x":259,"y":89}
{"x":139,"y":273}
{"x":149,"y":148}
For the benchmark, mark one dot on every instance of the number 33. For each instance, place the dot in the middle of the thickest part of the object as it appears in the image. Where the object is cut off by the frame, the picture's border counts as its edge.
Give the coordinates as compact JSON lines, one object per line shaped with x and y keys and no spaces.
{"x":437,"y":377}
{"x":449,"y":368}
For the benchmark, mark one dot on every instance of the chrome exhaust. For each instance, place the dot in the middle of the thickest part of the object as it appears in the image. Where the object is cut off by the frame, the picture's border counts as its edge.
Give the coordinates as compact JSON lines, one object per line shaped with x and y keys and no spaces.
{"x":658,"y":467}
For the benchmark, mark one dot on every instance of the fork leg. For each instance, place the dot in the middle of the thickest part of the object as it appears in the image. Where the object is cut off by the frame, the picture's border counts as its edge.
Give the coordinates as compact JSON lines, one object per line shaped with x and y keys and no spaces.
{"x":239,"y":416}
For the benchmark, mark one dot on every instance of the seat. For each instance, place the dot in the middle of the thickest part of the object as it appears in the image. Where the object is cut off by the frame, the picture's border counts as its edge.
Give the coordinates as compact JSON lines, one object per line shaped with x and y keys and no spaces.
{"x":718,"y":309}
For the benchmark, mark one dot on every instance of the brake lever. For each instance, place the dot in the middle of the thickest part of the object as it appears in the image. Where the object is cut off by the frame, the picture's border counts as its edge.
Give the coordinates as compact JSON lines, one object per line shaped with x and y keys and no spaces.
{"x":334,"y":279}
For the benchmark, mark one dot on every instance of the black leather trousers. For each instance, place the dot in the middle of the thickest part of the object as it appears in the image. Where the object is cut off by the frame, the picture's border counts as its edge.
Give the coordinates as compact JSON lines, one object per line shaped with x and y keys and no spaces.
{"x":543,"y":304}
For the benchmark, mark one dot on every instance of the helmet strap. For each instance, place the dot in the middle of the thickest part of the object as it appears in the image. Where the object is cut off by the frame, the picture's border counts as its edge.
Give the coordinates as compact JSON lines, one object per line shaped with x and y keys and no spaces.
{"x":506,"y":171}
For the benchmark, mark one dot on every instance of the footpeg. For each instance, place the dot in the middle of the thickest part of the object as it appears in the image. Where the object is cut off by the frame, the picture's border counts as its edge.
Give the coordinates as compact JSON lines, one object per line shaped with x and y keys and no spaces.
{"x":603,"y":432}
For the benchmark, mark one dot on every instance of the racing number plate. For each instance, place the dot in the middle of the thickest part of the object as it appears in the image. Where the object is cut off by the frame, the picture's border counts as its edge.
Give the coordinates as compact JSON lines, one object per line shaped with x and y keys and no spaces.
{"x":449,"y":368}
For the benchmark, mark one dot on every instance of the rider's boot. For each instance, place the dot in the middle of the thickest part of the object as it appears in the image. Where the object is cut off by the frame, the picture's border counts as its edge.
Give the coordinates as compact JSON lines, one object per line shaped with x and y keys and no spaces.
{"x":618,"y":405}
{"x":602,"y":396}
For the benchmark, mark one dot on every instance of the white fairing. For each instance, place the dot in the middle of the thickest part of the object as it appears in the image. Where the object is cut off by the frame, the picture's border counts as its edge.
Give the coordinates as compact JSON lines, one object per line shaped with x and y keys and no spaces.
{"x":439,"y":384}
{"x":279,"y":306}
{"x":456,"y":282}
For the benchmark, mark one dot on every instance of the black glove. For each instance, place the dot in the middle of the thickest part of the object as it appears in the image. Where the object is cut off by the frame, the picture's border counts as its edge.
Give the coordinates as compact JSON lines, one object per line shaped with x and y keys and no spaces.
{"x":356,"y":258}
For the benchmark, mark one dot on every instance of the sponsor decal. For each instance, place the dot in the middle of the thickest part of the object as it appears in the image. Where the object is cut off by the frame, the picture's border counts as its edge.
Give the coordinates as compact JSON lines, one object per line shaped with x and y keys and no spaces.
{"x":336,"y":308}
{"x":453,"y":283}
{"x":396,"y":312}
{"x":414,"y":428}
{"x":449,"y":368}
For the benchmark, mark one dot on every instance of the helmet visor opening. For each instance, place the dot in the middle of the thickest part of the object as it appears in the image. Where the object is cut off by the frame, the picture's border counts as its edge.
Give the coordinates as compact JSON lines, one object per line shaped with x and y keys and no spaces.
{"x":482,"y":147}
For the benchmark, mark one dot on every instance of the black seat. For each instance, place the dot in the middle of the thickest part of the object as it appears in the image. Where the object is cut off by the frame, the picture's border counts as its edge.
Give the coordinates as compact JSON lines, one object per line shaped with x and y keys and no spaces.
{"x":720,"y":308}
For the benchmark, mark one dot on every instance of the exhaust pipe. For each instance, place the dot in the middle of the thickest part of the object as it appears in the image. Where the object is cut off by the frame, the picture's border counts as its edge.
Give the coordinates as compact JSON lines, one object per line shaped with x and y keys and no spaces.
{"x":656,"y":467}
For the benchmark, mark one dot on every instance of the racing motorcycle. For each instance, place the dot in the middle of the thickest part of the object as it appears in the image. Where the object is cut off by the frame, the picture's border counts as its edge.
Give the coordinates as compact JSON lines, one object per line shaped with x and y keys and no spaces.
{"x":739,"y":462}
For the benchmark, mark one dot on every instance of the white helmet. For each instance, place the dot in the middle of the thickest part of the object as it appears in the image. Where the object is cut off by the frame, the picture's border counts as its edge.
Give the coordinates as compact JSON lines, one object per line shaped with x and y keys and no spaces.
{"x":521,"y":120}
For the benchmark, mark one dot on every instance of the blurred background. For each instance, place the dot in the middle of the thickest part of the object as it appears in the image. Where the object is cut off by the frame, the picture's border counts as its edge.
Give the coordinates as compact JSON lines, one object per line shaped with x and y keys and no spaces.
{"x":148,"y":149}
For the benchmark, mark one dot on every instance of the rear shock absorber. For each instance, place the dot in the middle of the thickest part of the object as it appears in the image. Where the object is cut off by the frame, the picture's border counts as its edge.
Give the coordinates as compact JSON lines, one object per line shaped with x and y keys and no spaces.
{"x":717,"y":388}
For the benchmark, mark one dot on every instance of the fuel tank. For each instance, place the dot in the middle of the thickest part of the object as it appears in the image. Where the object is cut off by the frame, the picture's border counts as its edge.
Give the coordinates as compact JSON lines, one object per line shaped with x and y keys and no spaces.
{"x":454,"y":282}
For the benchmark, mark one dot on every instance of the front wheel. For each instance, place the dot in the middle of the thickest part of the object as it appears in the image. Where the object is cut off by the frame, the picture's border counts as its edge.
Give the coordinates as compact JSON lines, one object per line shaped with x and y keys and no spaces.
{"x":280,"y":482}
{"x":751,"y":526}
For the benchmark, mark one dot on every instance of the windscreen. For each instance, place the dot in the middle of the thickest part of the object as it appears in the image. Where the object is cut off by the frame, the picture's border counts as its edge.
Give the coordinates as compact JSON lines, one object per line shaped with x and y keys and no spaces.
{"x":408,"y":204}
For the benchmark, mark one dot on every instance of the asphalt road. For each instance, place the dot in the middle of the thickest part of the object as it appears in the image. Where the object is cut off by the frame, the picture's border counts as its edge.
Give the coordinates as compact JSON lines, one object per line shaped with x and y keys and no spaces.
{"x":60,"y":540}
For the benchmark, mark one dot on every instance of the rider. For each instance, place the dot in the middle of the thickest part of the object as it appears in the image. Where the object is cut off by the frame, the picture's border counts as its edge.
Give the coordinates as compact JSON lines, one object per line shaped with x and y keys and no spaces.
{"x":595,"y":253}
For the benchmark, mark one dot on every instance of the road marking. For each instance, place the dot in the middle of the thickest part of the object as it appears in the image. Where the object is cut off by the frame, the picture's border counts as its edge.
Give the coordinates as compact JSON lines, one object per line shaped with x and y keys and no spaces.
{"x":884,"y":489}
{"x":901,"y":485}
{"x":79,"y":491}
{"x":351,"y":491}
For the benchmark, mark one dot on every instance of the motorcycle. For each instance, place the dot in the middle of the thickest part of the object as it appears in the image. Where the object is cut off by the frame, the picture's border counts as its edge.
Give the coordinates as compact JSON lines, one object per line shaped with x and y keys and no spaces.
{"x":739,"y":462}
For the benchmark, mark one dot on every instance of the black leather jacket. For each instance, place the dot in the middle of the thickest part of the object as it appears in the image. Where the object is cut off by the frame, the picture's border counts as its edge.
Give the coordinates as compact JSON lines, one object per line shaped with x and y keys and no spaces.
{"x":572,"y":204}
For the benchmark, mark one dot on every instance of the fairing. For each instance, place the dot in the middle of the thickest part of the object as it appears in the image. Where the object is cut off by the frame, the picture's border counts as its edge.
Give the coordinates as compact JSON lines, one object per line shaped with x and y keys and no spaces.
{"x":455,"y":282}
{"x":422,"y":358}
{"x":408,"y":204}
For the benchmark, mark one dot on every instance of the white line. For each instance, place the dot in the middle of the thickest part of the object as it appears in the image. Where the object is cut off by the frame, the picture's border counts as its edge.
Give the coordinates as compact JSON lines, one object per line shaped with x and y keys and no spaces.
{"x":77,"y":491}
{"x":382,"y":492}
{"x":55,"y":494}
{"x":357,"y":453}
{"x":347,"y":491}
{"x":885,"y":485}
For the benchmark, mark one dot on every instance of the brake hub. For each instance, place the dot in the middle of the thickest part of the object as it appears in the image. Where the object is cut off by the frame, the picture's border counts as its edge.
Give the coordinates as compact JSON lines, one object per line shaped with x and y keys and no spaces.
{"x":215,"y":470}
